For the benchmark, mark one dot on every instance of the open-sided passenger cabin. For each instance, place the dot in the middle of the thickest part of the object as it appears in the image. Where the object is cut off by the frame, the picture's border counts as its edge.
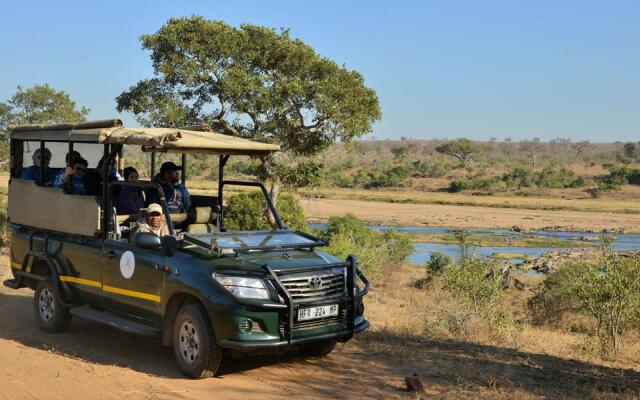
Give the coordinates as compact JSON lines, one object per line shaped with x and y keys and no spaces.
{"x":37,"y":204}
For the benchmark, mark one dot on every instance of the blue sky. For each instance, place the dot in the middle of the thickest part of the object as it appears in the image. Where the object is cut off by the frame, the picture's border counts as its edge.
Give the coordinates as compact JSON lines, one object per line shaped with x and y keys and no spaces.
{"x":477,"y":69}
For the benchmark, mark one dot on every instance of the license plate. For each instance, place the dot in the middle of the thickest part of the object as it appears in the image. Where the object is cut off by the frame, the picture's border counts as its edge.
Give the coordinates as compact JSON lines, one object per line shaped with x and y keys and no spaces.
{"x":317,"y":312}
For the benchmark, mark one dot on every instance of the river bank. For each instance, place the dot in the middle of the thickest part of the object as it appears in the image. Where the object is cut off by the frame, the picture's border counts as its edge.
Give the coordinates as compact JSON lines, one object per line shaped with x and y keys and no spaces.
{"x":450,"y":216}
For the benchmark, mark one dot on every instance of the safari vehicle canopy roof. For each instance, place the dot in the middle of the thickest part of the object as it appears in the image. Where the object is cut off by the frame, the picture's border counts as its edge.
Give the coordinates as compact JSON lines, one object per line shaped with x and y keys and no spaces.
{"x":160,"y":139}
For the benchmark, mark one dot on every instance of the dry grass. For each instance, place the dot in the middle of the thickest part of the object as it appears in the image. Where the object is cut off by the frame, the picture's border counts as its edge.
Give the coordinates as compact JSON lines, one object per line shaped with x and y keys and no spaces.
{"x":513,"y":360}
{"x":624,"y":202}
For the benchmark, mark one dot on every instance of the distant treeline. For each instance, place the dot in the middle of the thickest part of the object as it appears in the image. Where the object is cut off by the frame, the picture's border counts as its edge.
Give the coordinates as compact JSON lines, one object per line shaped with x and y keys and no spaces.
{"x":454,"y":165}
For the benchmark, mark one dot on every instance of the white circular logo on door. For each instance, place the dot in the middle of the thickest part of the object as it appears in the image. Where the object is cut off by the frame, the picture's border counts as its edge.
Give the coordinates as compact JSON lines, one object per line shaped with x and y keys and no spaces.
{"x":127,"y":264}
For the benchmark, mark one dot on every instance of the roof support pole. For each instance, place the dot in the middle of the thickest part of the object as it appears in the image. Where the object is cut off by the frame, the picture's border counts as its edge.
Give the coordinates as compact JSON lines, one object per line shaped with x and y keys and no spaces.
{"x":70,"y":164}
{"x":42,"y":178}
{"x":153,"y":165}
{"x":219,"y":211}
{"x":183,"y":174}
{"x":106,"y":172}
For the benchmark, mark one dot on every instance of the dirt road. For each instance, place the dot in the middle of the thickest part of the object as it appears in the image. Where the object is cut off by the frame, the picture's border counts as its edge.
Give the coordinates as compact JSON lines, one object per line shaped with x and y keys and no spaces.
{"x":469,"y":217}
{"x":91,"y":361}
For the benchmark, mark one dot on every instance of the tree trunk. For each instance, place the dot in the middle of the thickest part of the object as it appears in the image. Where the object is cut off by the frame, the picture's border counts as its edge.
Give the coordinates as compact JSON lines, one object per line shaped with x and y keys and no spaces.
{"x":267,"y":164}
{"x":275,"y":189}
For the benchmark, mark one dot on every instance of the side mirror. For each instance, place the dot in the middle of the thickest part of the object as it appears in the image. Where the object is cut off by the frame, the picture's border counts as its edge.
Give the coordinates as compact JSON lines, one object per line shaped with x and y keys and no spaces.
{"x":148,"y":240}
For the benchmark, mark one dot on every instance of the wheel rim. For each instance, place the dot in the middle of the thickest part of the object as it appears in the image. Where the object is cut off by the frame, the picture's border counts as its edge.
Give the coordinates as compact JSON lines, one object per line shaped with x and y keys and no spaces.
{"x":189,"y":342}
{"x":46,"y":304}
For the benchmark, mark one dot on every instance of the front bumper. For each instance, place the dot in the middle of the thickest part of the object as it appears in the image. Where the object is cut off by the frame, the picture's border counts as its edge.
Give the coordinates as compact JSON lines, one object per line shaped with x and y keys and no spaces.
{"x":282,"y":344}
{"x":289,"y":333}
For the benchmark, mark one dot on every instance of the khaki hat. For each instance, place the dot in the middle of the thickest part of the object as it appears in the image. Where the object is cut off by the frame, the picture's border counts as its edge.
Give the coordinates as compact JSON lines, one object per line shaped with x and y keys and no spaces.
{"x":154,"y":207}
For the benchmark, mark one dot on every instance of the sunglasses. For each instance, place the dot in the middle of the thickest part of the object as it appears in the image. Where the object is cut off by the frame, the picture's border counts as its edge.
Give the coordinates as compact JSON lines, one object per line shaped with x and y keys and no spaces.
{"x":80,"y":169}
{"x":155,"y":214}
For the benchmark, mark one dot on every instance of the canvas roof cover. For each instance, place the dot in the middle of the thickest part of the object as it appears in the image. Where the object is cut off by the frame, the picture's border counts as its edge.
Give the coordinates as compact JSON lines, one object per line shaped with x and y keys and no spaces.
{"x":168,"y":139}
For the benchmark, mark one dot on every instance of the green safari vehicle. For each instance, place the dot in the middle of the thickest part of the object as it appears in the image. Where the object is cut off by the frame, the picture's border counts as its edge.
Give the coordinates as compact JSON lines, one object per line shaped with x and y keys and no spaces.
{"x":202,"y":289}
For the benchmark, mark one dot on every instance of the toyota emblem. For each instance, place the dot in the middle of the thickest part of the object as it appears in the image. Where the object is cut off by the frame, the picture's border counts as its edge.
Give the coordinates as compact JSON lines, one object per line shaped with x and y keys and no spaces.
{"x":314,"y":282}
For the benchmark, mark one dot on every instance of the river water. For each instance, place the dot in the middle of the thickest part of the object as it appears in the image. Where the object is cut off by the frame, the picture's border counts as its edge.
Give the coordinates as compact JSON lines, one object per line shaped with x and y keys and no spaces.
{"x":423,"y":251}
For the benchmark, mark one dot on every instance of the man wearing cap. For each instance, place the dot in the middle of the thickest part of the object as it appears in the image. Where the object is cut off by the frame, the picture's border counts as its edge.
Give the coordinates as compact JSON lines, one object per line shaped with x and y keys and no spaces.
{"x":177,"y":196}
{"x":151,"y":222}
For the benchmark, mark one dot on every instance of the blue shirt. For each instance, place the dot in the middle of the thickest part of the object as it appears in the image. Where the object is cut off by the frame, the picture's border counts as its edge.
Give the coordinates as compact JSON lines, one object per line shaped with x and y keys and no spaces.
{"x":77,"y":186}
{"x":32,"y":173}
{"x":177,"y":196}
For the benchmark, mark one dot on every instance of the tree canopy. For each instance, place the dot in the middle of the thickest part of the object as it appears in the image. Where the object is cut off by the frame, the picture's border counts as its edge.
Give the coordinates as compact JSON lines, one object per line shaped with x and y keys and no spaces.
{"x":462,"y":149}
{"x":251,"y":81}
{"x":40,"y":104}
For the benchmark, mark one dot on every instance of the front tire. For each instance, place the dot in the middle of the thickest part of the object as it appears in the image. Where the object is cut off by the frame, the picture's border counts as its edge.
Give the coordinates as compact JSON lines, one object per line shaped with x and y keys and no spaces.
{"x":194,"y":345}
{"x":319,"y":349}
{"x":50,"y":315}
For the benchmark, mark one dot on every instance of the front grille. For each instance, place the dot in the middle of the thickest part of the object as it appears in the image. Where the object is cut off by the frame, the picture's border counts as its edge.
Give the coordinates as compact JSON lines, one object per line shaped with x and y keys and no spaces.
{"x":313,"y":286}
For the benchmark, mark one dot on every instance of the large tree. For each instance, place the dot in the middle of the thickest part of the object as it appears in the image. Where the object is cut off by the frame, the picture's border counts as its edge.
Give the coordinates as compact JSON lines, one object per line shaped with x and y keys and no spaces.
{"x":39,"y":104}
{"x":251,"y":82}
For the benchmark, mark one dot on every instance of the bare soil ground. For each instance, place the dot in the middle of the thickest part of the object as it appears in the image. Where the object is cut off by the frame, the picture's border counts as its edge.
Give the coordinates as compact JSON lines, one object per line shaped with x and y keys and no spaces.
{"x":90,"y":361}
{"x":469,"y":216}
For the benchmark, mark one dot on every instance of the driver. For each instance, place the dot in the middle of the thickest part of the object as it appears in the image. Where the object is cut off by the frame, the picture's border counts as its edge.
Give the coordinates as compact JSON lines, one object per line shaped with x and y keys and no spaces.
{"x":151,"y":222}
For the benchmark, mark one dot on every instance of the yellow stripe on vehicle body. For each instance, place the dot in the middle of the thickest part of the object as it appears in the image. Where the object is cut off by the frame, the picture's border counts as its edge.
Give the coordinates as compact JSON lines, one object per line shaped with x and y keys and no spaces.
{"x":131,"y":293}
{"x":81,"y":281}
{"x":96,"y":284}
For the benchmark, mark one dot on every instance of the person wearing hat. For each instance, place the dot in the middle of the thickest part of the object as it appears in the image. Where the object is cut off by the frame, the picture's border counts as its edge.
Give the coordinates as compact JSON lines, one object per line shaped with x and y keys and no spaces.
{"x":176,"y":195}
{"x":152,"y":222}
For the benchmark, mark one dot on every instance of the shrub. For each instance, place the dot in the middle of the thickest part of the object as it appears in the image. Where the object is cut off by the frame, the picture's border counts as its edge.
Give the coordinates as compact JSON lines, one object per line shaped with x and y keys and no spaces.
{"x":375,"y":250}
{"x":556,"y":295}
{"x":399,"y":245}
{"x":520,"y":176}
{"x":247,"y":211}
{"x":622,"y":175}
{"x":434,"y":170}
{"x":438,"y":262}
{"x":394,"y":176}
{"x":460,"y":184}
{"x":242,"y":167}
{"x":608,"y":291}
{"x":339,"y":179}
{"x":554,"y":177}
{"x":477,"y":284}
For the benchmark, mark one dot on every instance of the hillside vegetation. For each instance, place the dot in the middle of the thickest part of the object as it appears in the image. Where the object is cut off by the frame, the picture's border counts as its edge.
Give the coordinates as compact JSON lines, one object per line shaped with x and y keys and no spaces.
{"x":559,"y":168}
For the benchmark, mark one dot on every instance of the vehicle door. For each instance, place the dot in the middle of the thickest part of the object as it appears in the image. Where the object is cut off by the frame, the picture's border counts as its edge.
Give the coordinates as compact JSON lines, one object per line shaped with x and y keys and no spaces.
{"x":132,"y":279}
{"x":79,"y":260}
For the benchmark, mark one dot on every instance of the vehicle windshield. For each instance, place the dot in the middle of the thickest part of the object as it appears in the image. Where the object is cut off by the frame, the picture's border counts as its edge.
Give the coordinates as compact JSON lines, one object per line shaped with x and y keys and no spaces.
{"x":254,"y":240}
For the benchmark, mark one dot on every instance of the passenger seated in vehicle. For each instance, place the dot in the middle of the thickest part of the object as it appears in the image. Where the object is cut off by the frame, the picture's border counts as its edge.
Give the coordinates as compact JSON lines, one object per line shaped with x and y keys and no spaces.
{"x":32,"y":173}
{"x":177,"y":195}
{"x":93,"y":179}
{"x":75,"y":172}
{"x":151,"y":222}
{"x":130,"y":199}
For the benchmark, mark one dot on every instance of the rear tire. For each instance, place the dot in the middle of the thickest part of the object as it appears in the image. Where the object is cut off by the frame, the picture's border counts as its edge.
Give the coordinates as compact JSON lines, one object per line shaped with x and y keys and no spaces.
{"x":319,"y":349}
{"x":50,"y":315}
{"x":194,"y":344}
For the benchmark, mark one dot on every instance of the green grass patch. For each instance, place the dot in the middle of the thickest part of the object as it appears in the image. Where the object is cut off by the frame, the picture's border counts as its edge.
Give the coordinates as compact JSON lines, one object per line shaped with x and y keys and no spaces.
{"x":498,"y":241}
{"x":510,"y":256}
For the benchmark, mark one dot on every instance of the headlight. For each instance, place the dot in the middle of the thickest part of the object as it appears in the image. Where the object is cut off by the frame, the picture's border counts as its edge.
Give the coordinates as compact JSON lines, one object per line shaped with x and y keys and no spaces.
{"x":246,"y":288}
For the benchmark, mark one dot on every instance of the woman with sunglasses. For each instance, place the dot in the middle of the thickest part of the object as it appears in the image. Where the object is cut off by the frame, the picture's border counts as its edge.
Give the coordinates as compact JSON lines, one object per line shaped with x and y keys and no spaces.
{"x":75,"y":172}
